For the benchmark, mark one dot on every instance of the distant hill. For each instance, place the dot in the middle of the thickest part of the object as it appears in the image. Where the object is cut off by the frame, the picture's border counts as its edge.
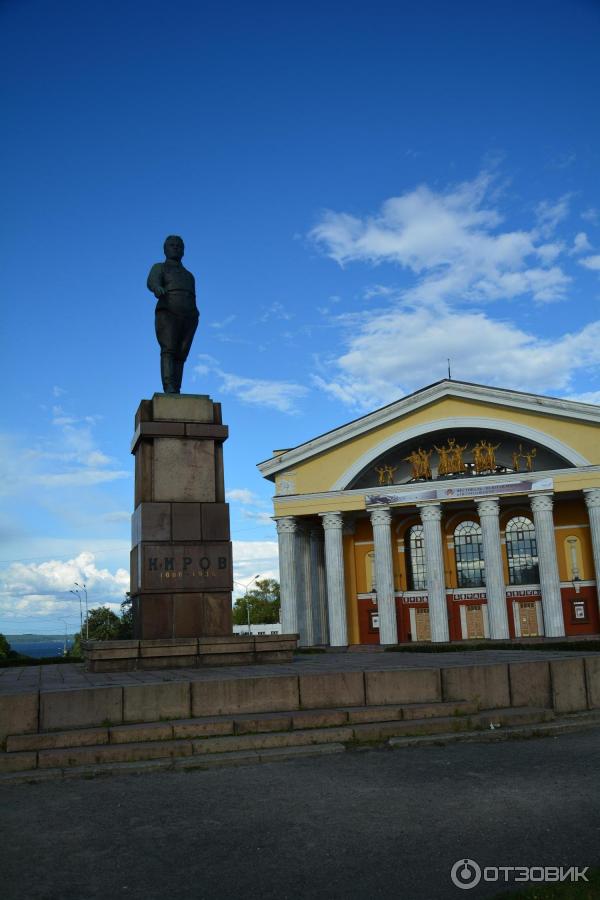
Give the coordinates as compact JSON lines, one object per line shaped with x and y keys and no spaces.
{"x":36,"y":638}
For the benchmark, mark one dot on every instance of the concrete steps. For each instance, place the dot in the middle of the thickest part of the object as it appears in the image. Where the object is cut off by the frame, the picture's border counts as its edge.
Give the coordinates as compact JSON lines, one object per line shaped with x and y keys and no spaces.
{"x":187,"y":743}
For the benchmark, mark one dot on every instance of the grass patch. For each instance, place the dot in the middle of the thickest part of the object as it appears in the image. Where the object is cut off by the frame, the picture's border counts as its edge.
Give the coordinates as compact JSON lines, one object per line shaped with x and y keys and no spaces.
{"x":467,"y":646}
{"x":566,"y":890}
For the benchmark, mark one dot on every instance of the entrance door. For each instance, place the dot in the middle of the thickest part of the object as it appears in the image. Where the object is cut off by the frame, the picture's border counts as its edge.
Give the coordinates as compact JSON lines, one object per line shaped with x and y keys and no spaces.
{"x":423,"y":628}
{"x":475,"y":627}
{"x":528,"y":619}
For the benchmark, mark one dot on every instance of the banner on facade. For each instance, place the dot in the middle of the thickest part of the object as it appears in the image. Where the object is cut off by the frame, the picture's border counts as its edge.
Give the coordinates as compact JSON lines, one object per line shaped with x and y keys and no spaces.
{"x":448,"y":492}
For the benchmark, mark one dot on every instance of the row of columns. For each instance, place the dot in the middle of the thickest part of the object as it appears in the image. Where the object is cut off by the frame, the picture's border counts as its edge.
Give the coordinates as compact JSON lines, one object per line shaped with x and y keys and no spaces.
{"x":311,"y":564}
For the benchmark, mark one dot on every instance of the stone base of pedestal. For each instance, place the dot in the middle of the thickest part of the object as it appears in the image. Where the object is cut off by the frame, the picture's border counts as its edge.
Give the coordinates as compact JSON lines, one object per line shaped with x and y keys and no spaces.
{"x":176,"y":653}
{"x":174,"y":616}
{"x":181,"y":567}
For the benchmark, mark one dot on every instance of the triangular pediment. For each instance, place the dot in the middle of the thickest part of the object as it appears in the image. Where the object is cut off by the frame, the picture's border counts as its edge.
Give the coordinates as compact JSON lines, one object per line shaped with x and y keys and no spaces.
{"x":563,"y":433}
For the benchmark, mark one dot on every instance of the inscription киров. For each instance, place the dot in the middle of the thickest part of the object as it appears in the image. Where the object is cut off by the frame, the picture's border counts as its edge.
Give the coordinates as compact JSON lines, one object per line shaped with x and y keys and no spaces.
{"x":186,"y":567}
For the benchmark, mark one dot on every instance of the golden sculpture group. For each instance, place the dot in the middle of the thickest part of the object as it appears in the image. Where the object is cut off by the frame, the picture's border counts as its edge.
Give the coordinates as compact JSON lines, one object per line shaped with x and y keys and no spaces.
{"x":451,"y":461}
{"x":527,"y":457}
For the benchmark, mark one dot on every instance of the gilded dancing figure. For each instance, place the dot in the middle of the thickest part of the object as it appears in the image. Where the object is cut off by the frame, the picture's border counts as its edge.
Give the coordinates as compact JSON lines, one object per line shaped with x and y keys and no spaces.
{"x":479,"y":459}
{"x":456,"y":451}
{"x":425,"y":468}
{"x":485,"y":457}
{"x":419,"y":460}
{"x":516,"y":458}
{"x":415,"y":460}
{"x":529,"y":458}
{"x":444,"y":464}
{"x":451,"y":462}
{"x":385,"y":474}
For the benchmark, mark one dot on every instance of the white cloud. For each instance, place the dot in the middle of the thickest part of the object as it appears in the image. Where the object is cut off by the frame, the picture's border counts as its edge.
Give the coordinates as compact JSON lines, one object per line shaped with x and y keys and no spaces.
{"x":224,"y":322}
{"x":242,"y":495}
{"x":77,"y":478}
{"x":97,"y":458}
{"x":586,"y":397}
{"x":279,"y":395}
{"x":68,"y":457}
{"x":262,"y":518}
{"x":252,"y":558}
{"x":276,"y":311}
{"x":581,"y":243}
{"x":590,"y":215}
{"x":121,"y":515}
{"x":41,"y":590}
{"x":591,"y":262}
{"x":550,"y":214}
{"x":452,"y":243}
{"x":253,"y":506}
{"x":379,"y":290}
{"x":390,"y":353}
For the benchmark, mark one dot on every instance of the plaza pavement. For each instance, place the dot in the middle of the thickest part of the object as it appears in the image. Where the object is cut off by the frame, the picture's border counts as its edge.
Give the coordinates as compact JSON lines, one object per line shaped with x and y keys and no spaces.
{"x":71,"y":676}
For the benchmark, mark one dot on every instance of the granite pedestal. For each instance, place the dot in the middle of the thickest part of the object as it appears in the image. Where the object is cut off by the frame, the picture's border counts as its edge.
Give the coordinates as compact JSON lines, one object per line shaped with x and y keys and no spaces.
{"x":181,"y":566}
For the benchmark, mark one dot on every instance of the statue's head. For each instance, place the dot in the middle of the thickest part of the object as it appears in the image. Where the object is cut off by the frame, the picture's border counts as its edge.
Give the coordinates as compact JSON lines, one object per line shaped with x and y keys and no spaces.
{"x":174,"y":247}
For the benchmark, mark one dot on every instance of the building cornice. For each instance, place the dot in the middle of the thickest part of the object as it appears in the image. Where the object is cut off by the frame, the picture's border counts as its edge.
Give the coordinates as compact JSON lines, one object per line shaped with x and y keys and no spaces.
{"x":487,"y":481}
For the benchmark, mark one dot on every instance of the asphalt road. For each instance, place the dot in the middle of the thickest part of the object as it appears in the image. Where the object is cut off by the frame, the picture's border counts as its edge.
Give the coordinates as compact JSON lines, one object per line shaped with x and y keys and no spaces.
{"x":377,"y":823}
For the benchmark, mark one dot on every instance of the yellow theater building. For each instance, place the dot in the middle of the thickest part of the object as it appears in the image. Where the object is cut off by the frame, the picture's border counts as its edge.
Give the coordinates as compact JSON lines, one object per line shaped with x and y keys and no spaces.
{"x":459,"y":512}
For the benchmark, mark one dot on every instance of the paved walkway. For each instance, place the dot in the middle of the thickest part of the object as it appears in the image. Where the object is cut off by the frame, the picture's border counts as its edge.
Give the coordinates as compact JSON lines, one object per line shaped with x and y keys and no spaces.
{"x":73,"y":676}
{"x":379,"y":824}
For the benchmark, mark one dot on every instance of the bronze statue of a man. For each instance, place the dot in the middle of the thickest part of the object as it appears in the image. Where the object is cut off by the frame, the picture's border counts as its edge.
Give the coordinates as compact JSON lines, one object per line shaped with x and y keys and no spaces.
{"x":176,"y":314}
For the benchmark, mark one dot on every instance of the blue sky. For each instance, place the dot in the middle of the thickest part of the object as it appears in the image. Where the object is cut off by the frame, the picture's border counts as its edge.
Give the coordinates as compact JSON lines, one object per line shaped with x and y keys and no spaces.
{"x":363,"y":189}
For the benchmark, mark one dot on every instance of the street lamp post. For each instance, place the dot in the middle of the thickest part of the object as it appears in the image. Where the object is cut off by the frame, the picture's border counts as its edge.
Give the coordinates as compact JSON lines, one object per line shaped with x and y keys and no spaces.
{"x":246,"y":586}
{"x":87,"y":618}
{"x":78,"y":595}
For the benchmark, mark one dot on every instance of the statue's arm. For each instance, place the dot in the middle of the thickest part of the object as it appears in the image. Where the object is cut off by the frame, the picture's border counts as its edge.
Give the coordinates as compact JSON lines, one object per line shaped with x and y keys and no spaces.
{"x":155,"y":280}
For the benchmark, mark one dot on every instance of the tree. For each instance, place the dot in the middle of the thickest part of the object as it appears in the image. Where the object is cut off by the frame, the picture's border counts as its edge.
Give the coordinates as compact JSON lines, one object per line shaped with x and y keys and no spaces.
{"x":5,"y":650}
{"x":264,"y":603}
{"x":101,"y":624}
{"x":126,"y":627}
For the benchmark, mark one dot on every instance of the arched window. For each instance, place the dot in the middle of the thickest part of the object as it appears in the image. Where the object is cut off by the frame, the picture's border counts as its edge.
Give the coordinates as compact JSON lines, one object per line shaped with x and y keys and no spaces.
{"x":414,"y":549}
{"x":468,"y":549}
{"x":521,"y":550}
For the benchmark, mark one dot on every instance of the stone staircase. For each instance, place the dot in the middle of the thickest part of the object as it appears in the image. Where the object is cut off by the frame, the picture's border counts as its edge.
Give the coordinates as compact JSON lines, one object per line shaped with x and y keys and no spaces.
{"x":241,"y":738}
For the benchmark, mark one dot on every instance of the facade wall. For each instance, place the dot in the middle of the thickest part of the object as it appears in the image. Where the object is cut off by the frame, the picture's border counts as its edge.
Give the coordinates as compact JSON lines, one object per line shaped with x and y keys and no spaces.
{"x":313,"y":494}
{"x":571,"y":521}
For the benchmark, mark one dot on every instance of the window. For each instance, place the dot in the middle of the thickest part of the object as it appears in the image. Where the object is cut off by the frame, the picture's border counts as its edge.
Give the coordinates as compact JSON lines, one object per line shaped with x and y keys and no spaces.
{"x":521,"y":550}
{"x":468,"y":548}
{"x":414,"y":548}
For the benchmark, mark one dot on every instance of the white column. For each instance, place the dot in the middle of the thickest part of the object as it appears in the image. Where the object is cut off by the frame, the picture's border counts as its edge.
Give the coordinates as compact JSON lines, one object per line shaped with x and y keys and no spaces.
{"x":541,"y":504}
{"x":334,"y":574}
{"x":381,"y":520}
{"x":489,"y":512}
{"x":304,"y":603}
{"x":431,"y":517}
{"x":286,"y":532}
{"x":592,"y":501}
{"x":318,"y":586}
